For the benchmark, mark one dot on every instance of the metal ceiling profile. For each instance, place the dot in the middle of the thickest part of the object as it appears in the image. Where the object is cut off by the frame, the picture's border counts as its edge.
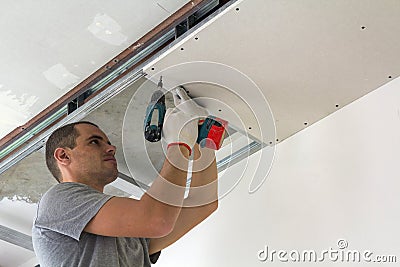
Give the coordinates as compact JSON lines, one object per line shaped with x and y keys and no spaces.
{"x":17,"y":238}
{"x":105,"y":83}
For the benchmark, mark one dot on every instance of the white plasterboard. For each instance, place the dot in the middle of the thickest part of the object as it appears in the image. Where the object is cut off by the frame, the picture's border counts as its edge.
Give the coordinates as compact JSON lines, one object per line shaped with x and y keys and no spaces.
{"x":309,"y":58}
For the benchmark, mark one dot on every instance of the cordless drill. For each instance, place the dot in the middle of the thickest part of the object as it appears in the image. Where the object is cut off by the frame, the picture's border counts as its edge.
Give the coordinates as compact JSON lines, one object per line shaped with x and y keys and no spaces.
{"x":152,"y":132}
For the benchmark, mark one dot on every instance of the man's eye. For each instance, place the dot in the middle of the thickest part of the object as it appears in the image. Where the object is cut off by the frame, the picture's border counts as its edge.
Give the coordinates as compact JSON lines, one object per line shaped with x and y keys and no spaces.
{"x":94,"y":142}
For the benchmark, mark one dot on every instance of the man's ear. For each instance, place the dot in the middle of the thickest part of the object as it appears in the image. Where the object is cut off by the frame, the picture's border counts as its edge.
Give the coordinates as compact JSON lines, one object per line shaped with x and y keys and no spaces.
{"x":62,"y":156}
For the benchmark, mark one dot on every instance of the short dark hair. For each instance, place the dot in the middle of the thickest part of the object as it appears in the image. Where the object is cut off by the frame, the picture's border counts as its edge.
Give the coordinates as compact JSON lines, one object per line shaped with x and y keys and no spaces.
{"x":64,"y":136}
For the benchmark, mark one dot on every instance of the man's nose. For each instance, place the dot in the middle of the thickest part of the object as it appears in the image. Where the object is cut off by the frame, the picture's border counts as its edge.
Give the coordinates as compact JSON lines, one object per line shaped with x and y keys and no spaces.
{"x":111,"y":149}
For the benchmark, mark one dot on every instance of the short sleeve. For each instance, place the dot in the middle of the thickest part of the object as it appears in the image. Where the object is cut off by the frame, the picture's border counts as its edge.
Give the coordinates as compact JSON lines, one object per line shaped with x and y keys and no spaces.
{"x":68,"y":207}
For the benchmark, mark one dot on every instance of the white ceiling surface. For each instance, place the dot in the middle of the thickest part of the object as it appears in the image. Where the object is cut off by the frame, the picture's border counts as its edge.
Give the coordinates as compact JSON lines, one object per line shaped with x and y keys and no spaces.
{"x":307,"y":56}
{"x":48,"y":47}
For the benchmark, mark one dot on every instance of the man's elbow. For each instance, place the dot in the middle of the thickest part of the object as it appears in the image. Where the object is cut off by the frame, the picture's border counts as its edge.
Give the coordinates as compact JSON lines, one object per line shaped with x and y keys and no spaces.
{"x":162,"y":227}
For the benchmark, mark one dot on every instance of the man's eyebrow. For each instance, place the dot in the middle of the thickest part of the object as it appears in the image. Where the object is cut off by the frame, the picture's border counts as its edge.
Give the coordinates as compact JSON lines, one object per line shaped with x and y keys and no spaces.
{"x":97,"y":137}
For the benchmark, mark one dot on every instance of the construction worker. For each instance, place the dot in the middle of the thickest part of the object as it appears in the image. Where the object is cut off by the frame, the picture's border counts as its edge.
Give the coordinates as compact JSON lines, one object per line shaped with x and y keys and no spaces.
{"x":78,"y":225}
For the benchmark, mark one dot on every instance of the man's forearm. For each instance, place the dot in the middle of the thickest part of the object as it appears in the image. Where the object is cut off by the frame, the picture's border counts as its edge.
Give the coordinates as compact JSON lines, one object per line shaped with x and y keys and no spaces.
{"x":204,"y":184}
{"x":167,"y":191}
{"x":201,"y":202}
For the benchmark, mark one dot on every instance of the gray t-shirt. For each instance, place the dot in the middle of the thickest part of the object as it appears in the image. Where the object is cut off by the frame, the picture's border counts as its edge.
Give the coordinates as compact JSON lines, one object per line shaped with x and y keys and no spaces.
{"x":59,"y":239}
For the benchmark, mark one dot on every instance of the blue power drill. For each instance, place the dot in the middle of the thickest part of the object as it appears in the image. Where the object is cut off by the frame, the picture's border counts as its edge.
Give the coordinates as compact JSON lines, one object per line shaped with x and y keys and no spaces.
{"x":152,"y":132}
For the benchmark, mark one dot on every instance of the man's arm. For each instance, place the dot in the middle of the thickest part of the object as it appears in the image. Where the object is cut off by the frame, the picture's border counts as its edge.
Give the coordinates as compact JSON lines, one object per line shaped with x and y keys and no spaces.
{"x":148,"y":217}
{"x":201,"y":201}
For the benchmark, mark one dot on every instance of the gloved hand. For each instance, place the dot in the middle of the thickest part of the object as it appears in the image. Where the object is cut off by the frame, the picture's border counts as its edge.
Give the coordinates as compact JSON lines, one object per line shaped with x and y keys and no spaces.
{"x":180,"y":128}
{"x":183,"y":102}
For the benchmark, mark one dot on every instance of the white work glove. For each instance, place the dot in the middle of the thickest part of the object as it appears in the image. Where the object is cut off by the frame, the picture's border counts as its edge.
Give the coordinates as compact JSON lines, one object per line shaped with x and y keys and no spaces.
{"x":183,"y":102}
{"x":180,"y":128}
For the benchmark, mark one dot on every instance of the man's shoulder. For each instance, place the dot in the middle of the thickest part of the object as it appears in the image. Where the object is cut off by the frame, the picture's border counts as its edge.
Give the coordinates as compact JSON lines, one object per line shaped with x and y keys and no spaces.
{"x":68,"y":202}
{"x":64,"y":191}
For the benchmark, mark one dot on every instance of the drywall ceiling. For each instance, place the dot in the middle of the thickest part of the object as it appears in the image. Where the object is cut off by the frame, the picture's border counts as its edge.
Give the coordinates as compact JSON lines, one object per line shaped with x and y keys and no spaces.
{"x":48,"y":47}
{"x":308,"y":58}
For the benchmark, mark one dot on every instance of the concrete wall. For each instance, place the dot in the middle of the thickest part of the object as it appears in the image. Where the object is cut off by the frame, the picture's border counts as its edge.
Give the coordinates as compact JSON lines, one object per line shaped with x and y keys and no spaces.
{"x":334,"y":184}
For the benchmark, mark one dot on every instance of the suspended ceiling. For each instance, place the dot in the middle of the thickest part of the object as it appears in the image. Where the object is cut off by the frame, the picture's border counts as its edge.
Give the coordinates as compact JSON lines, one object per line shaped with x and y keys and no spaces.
{"x":308,"y":58}
{"x":48,"y":47}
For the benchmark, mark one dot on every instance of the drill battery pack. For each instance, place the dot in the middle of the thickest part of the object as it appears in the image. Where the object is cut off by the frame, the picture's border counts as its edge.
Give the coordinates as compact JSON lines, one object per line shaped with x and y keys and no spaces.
{"x":212,"y":132}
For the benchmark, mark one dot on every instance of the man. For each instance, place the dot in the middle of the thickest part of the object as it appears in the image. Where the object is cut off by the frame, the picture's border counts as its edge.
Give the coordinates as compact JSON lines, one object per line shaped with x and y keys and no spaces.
{"x":78,"y":225}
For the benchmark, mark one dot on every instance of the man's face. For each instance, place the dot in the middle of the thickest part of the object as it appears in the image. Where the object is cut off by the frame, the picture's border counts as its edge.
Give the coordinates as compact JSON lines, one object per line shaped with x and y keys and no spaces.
{"x":93,"y":158}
